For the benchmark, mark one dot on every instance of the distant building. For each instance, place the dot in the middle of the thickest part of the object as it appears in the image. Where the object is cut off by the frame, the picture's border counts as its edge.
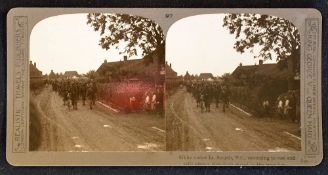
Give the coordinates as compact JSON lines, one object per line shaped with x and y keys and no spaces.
{"x":251,"y":85}
{"x":171,"y":77}
{"x":170,"y":74}
{"x":249,"y":72}
{"x":71,"y":74}
{"x":34,"y":71}
{"x":147,"y":68}
{"x":206,"y":76}
{"x":265,"y":72}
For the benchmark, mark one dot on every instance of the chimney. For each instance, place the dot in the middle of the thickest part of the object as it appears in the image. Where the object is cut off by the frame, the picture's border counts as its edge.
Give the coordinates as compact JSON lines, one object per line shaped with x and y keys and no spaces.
{"x":260,"y":62}
{"x":31,"y":62}
{"x":105,"y":61}
{"x":170,"y":64}
{"x":34,"y":64}
{"x":125,"y":58}
{"x":240,"y":64}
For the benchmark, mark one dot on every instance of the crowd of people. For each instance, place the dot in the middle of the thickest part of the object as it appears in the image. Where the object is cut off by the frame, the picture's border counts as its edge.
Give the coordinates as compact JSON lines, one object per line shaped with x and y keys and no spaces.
{"x":205,"y":93}
{"x":74,"y":90}
{"x":130,"y":97}
{"x":141,"y":96}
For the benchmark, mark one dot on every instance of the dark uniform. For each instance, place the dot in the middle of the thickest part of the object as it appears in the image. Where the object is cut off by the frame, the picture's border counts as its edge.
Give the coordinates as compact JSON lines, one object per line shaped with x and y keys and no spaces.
{"x":74,"y":94}
{"x":208,"y":98}
{"x":217,"y":92}
{"x":83,"y":92}
{"x":92,"y":90}
{"x":225,"y":95}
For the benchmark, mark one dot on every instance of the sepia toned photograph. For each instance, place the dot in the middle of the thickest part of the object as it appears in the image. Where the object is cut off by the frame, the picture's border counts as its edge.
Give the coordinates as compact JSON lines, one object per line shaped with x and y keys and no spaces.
{"x":164,"y":87}
{"x":97,"y":84}
{"x":234,"y":84}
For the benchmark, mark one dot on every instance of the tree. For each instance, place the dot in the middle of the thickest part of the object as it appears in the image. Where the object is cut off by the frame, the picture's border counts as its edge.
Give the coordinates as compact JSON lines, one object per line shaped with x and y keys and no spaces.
{"x":187,"y":76}
{"x":226,"y":76}
{"x":138,"y":32}
{"x":270,"y":34}
{"x":91,"y":74}
{"x":52,"y":75}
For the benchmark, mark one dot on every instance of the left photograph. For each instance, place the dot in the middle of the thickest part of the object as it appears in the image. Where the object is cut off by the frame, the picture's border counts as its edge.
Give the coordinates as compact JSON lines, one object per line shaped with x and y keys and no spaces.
{"x":97,"y":84}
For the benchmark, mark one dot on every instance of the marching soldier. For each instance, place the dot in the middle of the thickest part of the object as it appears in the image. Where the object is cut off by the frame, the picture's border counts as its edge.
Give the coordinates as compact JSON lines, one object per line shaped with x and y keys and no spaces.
{"x":217,"y":92}
{"x":92,"y":90}
{"x":207,"y":98}
{"x":225,"y":97}
{"x":74,"y":94}
{"x":83,"y":93}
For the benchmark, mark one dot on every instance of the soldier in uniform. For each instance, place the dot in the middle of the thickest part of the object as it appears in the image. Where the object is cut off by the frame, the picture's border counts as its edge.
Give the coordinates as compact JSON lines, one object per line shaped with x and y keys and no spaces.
{"x":197,"y":95}
{"x":201,"y":102}
{"x":217,"y":91}
{"x":225,"y":95}
{"x":92,"y":90}
{"x":74,"y":94}
{"x":202,"y":99}
{"x":83,"y":92}
{"x":207,"y":98}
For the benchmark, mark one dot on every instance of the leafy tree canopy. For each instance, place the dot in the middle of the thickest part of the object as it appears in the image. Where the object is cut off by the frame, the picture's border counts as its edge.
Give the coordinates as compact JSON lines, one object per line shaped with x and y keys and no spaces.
{"x":137,"y":32}
{"x":187,"y":75}
{"x":270,"y":34}
{"x":91,"y":74}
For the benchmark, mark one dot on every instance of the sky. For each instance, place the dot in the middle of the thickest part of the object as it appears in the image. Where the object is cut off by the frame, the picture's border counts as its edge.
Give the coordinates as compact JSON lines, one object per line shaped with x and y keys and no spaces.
{"x":66,"y":43}
{"x":196,"y":44}
{"x":200,"y":44}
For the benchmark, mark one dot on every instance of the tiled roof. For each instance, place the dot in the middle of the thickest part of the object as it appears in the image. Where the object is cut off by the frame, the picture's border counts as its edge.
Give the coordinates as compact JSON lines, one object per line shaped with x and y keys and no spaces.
{"x":205,"y":75}
{"x":269,"y":70}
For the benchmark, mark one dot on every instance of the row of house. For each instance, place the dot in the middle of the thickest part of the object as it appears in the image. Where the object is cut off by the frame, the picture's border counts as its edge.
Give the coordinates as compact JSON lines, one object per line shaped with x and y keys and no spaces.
{"x":35,"y":73}
{"x":247,"y":73}
{"x":138,"y":69}
{"x":134,"y":69}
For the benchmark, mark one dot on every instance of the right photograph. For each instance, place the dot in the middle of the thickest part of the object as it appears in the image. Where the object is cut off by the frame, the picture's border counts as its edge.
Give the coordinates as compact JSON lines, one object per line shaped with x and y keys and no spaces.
{"x":233,"y":84}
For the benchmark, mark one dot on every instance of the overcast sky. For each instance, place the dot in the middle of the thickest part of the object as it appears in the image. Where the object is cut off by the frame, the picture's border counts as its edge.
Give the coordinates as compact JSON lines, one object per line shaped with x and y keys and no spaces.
{"x":65,"y":43}
{"x":199,"y":44}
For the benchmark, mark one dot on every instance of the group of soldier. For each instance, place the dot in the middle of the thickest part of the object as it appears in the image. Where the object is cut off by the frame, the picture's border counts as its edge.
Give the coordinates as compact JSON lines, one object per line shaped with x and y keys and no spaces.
{"x":206,"y":92}
{"x":73,"y":90}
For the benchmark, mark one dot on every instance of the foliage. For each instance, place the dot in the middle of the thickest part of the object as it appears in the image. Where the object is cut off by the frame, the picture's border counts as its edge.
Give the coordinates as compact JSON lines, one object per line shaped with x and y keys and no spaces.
{"x":250,"y":97}
{"x":226,"y":77}
{"x":270,"y":34}
{"x":92,"y":74}
{"x":138,"y":32}
{"x":187,"y":76}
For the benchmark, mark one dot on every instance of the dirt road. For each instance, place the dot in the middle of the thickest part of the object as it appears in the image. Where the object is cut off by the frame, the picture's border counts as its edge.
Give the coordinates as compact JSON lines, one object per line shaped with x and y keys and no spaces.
{"x":95,"y":130}
{"x":190,"y":130}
